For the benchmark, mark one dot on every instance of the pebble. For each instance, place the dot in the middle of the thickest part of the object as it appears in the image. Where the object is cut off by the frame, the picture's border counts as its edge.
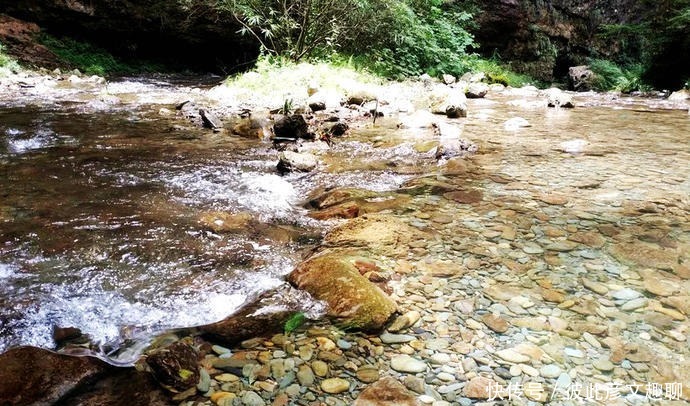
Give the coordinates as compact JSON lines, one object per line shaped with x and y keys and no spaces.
{"x":550,"y":371}
{"x":388,"y":338}
{"x":512,"y":356}
{"x":571,"y":352}
{"x":625,"y":294}
{"x":634,"y":304}
{"x":335,"y":385}
{"x":320,"y":368}
{"x":405,"y":363}
{"x":603,"y":364}
{"x":305,"y":375}
{"x":440,"y":358}
{"x":368,"y":374}
{"x":252,"y":398}
{"x":437,"y":344}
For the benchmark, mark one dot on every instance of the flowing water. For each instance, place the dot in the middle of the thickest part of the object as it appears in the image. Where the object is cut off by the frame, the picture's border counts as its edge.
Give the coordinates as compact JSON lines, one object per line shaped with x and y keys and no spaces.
{"x":102,"y":209}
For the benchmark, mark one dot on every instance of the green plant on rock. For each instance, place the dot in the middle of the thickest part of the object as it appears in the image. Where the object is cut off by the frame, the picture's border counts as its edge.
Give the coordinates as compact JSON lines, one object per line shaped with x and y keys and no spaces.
{"x":7,"y":63}
{"x":294,"y":322}
{"x":609,"y":76}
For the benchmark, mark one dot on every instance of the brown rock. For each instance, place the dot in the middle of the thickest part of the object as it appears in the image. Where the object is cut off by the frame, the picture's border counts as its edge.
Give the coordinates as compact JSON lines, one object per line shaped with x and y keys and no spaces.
{"x":551,"y":295}
{"x":553,"y":199}
{"x":495,"y":323}
{"x":354,"y":301}
{"x":478,"y":388}
{"x":344,"y":211}
{"x":126,"y":386}
{"x":645,"y":254}
{"x":681,"y":303}
{"x":219,"y":221}
{"x":386,"y":392}
{"x":175,"y":367}
{"x":588,"y":238}
{"x":380,"y":234}
{"x":465,"y":196}
{"x":34,"y":376}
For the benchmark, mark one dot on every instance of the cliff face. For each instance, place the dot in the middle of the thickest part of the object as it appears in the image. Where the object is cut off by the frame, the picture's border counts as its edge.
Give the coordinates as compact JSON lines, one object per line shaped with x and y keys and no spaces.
{"x":173,"y":31}
{"x":544,"y":37}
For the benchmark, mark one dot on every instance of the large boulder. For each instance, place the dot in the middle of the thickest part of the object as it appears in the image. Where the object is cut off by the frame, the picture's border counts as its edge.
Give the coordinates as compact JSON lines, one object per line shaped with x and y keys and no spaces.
{"x":477,"y":90}
{"x":176,"y":366}
{"x":558,"y":98}
{"x":353,"y":301}
{"x":34,"y":376}
{"x":581,"y":78}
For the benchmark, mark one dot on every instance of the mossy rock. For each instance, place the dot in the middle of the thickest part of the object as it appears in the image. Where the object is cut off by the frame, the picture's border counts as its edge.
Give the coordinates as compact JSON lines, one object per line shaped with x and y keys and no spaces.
{"x":353,"y":301}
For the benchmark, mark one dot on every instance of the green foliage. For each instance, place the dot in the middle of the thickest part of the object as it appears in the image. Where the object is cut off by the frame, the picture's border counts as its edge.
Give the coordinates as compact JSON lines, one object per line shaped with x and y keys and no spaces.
{"x":294,"y":322}
{"x":91,"y":59}
{"x":498,"y":73}
{"x":287,"y":107}
{"x":609,"y":76}
{"x":7,"y":63}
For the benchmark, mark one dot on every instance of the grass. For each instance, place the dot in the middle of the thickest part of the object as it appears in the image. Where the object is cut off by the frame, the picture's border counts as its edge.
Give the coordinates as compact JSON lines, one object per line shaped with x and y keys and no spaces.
{"x":7,"y":64}
{"x":609,"y":76}
{"x":93,"y":60}
{"x":498,"y":73}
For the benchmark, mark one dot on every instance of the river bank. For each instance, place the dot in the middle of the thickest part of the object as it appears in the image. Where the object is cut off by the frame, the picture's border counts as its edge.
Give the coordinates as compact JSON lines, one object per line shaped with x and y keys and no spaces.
{"x":532,"y":252}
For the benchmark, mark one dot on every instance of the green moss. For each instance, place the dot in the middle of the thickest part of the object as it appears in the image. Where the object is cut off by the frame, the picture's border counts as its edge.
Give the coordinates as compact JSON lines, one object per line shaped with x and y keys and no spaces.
{"x":93,"y":60}
{"x":7,"y":63}
{"x":496,"y":72}
{"x":294,"y":322}
{"x":609,"y":76}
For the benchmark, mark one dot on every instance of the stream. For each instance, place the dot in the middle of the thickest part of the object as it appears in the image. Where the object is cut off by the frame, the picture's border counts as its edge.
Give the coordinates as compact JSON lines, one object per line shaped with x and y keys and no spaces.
{"x":104,"y":208}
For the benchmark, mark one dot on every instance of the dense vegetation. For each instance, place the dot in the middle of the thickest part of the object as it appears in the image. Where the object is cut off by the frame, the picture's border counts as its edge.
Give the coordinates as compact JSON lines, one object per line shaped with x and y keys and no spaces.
{"x":7,"y":63}
{"x":656,"y":48}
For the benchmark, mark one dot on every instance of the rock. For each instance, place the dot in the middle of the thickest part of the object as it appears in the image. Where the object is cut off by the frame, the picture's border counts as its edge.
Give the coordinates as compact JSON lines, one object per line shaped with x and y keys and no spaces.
{"x":405,"y":321}
{"x":381,"y":234}
{"x":580,"y":78}
{"x":512,"y":356}
{"x":251,"y":398}
{"x":295,"y":161}
{"x":634,"y":304}
{"x":317,"y":102}
{"x":679,"y":95}
{"x":338,"y":129}
{"x":478,"y":388}
{"x":31,"y":375}
{"x":210,"y":120}
{"x":477,"y":90}
{"x":550,"y":371}
{"x":595,"y":287}
{"x":450,"y":102}
{"x":388,"y":338}
{"x":515,"y":123}
{"x":448,"y":79}
{"x":450,"y":143}
{"x":405,"y":363}
{"x":219,"y":221}
{"x":249,"y":322}
{"x":470,"y":196}
{"x":290,"y":128}
{"x":495,"y":323}
{"x":335,"y":385}
{"x":175,"y":367}
{"x":343,"y":211}
{"x":386,"y":392}
{"x":576,"y":146}
{"x":368,"y":373}
{"x":352,"y":300}
{"x":558,"y":98}
{"x":320,"y":368}
{"x":603,"y":364}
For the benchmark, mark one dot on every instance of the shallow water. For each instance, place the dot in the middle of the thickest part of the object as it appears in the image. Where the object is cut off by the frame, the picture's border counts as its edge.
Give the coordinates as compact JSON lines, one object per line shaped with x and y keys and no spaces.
{"x":100,"y":211}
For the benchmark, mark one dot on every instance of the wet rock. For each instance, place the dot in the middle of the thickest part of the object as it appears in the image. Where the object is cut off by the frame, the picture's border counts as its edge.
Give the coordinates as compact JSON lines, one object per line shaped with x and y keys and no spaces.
{"x":335,"y":385}
{"x":125,"y":386}
{"x":388,"y":338}
{"x":580,"y":78}
{"x":450,"y":102}
{"x":470,"y":196}
{"x":210,"y":120}
{"x":317,"y":102}
{"x":291,"y":128}
{"x":448,"y":79}
{"x":380,"y":234}
{"x":386,"y":392}
{"x":405,"y":363}
{"x":368,"y":373}
{"x":338,"y":129}
{"x":33,"y":376}
{"x":512,"y":356}
{"x":175,"y":367}
{"x":558,"y":98}
{"x":515,"y":123}
{"x":477,"y":90}
{"x":294,"y":161}
{"x":405,"y":321}
{"x":249,"y":322}
{"x":603,"y":364}
{"x":450,"y":144}
{"x":343,"y":211}
{"x":679,"y":95}
{"x":219,"y":221}
{"x":645,"y":254}
{"x":352,"y":300}
{"x":189,"y":110}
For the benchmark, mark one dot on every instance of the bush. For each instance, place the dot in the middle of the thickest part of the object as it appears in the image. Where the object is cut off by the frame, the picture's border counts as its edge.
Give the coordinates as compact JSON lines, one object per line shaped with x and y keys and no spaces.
{"x":609,"y":76}
{"x":498,"y":73}
{"x":7,"y":63}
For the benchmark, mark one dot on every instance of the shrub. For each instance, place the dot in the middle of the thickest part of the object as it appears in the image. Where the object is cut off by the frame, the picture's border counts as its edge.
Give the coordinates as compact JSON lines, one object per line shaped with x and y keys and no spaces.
{"x":609,"y":76}
{"x":7,"y":63}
